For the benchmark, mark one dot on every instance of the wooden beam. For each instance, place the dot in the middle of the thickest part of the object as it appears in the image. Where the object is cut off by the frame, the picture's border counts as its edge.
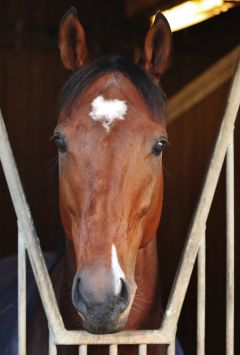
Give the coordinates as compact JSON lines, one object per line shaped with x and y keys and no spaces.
{"x":134,"y":7}
{"x":201,"y":87}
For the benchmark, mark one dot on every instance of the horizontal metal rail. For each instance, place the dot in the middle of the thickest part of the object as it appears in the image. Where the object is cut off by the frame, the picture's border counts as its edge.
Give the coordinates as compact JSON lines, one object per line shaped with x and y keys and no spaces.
{"x":164,"y":335}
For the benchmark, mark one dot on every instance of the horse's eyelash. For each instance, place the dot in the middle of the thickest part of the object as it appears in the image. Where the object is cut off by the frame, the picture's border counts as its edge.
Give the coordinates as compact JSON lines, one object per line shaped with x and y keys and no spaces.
{"x":166,"y":141}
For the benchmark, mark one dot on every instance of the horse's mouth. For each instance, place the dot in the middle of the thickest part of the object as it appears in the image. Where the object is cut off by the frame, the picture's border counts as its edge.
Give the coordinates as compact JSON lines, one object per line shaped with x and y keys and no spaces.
{"x":103,"y":319}
{"x":104,"y":327}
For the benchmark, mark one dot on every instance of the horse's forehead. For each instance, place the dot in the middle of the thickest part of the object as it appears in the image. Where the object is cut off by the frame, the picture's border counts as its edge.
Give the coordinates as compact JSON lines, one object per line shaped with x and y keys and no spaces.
{"x":112,"y":84}
{"x":109,"y":101}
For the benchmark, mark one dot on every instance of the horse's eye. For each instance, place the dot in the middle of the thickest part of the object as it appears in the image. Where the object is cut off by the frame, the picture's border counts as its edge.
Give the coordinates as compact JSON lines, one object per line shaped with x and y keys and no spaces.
{"x":158,"y":146}
{"x":59,"y":142}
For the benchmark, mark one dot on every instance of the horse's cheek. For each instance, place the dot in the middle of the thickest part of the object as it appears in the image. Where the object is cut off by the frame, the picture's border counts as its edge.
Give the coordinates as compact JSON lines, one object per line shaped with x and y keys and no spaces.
{"x":66,"y":221}
{"x":151,"y":222}
{"x":149,"y":231}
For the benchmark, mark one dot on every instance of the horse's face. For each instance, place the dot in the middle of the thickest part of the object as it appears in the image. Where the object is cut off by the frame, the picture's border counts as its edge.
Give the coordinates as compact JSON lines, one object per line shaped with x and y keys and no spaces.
{"x":111,"y":184}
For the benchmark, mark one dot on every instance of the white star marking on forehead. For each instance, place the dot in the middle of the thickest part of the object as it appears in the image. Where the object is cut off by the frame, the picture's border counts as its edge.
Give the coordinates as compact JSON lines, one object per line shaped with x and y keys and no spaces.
{"x":107,"y":111}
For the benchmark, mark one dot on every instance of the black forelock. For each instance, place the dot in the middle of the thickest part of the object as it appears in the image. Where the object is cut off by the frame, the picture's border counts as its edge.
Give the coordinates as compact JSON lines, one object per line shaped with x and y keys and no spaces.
{"x":151,"y":93}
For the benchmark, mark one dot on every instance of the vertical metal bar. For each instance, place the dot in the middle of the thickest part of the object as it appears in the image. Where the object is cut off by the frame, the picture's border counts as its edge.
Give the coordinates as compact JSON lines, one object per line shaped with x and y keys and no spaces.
{"x":83,"y":350}
{"x":230,"y":249}
{"x":113,"y":349}
{"x":172,"y":347}
{"x":201,"y":296}
{"x":52,"y":348}
{"x":22,"y":304}
{"x":142,"y":349}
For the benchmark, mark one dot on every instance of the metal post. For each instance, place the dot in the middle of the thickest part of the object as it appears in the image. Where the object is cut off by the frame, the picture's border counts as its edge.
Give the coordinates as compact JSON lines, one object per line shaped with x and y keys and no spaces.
{"x":171,"y":350}
{"x":83,"y":350}
{"x":22,"y":304}
{"x":52,"y":349}
{"x":230,"y":249}
{"x":113,"y":349}
{"x":201,"y":296}
{"x":172,"y":347}
{"x":142,"y":349}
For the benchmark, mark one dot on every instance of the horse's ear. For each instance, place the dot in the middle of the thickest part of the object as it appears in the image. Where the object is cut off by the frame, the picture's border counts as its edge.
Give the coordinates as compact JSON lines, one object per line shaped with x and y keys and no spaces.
{"x":157,"y":47}
{"x":72,"y":44}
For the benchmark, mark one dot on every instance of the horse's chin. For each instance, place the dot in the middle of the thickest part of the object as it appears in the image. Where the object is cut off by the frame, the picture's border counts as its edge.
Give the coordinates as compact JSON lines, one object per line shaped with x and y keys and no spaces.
{"x":104,"y":328}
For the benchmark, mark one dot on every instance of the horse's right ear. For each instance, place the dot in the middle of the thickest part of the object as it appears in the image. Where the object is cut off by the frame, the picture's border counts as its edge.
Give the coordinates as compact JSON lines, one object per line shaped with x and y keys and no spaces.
{"x":72,"y":43}
{"x":158,"y":45}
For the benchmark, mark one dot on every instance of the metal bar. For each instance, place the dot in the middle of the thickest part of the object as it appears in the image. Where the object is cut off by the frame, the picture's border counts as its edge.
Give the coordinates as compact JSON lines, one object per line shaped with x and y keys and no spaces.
{"x":29,"y":233}
{"x":201,"y":296}
{"x":113,"y":349}
{"x":230,"y":249}
{"x":142,"y":349}
{"x":22,"y":303}
{"x":83,"y":350}
{"x":172,"y":347}
{"x":76,"y":337}
{"x":52,"y":349}
{"x":192,"y":244}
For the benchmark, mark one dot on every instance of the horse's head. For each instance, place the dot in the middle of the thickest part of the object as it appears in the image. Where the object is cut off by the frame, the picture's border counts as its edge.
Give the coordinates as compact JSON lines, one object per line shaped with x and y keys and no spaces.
{"x":110,"y":135}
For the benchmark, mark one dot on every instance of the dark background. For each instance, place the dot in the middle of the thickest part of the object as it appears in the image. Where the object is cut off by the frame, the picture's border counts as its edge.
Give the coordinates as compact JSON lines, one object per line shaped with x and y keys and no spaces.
{"x":31,"y":76}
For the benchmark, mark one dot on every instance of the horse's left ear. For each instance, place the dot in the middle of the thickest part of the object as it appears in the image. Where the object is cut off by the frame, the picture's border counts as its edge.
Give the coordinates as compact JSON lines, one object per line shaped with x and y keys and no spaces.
{"x":157,"y":47}
{"x":72,"y":43}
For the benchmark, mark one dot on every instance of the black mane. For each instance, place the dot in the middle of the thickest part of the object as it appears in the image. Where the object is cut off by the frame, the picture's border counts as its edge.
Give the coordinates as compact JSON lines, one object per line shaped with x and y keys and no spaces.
{"x":151,"y":93}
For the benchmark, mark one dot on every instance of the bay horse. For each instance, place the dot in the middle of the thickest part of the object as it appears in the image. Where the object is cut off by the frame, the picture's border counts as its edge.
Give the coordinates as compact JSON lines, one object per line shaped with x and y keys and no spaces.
{"x":110,"y":135}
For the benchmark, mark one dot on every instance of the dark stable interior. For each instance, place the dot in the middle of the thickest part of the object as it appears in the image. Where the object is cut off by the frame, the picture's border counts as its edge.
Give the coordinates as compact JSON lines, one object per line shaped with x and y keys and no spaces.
{"x":31,"y":77}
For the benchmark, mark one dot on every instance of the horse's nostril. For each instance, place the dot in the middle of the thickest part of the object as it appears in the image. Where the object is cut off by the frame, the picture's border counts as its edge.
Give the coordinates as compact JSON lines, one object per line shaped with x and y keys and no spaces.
{"x":123,"y":289}
{"x":76,"y":293}
{"x":78,"y":285}
{"x":124,"y":294}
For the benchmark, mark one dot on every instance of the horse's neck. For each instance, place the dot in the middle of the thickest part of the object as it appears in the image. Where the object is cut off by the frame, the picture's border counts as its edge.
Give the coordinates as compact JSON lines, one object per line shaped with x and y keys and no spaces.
{"x":146,"y":308}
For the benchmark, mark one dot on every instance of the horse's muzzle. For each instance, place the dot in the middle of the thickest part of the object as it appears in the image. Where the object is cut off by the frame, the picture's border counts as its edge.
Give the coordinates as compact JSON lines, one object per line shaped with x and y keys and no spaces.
{"x":99,"y":302}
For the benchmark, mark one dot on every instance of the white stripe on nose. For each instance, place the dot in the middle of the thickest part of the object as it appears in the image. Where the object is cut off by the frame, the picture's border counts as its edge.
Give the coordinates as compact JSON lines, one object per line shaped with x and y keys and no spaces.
{"x":117,"y":271}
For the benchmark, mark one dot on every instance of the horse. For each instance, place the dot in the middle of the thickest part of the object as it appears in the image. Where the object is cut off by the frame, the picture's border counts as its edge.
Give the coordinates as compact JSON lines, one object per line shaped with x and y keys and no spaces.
{"x":110,"y":136}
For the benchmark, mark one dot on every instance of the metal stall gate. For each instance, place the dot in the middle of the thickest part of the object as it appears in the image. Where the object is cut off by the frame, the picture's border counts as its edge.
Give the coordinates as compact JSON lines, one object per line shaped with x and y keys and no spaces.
{"x":194,"y":248}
